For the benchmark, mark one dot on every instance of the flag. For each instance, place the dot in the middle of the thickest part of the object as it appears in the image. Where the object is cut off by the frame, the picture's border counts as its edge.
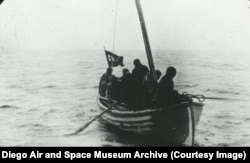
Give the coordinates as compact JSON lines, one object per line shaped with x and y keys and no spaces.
{"x":113,"y":59}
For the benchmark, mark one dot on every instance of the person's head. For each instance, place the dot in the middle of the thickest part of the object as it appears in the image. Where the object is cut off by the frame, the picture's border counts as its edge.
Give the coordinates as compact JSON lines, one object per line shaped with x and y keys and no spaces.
{"x":109,"y":71}
{"x":171,"y":72}
{"x":158,"y":74}
{"x":137,"y":62}
{"x":125,"y":71}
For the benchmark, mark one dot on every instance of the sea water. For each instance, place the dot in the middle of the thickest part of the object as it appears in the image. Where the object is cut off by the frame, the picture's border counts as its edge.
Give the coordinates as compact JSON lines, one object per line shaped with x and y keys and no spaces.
{"x":47,"y":94}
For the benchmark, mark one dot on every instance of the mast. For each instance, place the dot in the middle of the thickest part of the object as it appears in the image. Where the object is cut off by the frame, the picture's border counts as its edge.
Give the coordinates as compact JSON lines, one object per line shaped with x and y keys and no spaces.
{"x":145,"y":38}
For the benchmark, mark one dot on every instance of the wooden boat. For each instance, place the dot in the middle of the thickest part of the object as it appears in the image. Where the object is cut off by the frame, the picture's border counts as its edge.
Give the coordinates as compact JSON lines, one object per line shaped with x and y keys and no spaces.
{"x":175,"y":123}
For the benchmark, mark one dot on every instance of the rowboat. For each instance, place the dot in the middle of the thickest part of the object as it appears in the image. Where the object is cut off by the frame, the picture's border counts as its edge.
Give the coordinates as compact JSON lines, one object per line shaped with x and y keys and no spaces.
{"x":175,"y":123}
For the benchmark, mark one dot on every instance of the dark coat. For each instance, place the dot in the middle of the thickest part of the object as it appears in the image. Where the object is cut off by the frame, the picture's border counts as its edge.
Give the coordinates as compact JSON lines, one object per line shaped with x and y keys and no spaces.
{"x":139,"y":73}
{"x":166,"y":93}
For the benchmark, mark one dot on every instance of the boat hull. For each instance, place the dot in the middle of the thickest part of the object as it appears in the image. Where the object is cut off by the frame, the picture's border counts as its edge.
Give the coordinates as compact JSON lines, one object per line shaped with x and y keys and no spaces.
{"x":174,"y":124}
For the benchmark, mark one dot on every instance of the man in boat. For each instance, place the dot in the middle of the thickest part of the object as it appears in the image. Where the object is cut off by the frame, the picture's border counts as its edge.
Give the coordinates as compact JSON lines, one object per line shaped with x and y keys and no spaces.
{"x":158,"y":74}
{"x":119,"y":87}
{"x":129,"y":88}
{"x":123,"y":88}
{"x":149,"y":89}
{"x":139,"y":72}
{"x":124,"y":72}
{"x":105,"y":81}
{"x":166,"y":94}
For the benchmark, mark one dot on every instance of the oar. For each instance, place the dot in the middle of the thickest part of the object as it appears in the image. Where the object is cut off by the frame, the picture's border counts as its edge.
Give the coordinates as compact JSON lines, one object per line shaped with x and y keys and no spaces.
{"x":219,"y":98}
{"x":202,"y":98}
{"x":87,"y":124}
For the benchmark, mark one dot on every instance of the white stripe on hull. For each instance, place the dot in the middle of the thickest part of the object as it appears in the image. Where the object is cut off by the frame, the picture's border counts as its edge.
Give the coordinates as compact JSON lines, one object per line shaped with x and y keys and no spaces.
{"x":136,"y":128}
{"x":128,"y":124}
{"x":127,"y":119}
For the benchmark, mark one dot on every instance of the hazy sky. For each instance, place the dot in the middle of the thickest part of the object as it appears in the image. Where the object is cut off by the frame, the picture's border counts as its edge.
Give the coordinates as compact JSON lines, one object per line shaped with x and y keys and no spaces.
{"x":79,"y":24}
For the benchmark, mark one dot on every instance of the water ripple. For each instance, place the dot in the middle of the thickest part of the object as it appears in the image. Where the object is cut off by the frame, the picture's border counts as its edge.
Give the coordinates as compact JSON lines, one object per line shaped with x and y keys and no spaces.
{"x":8,"y":107}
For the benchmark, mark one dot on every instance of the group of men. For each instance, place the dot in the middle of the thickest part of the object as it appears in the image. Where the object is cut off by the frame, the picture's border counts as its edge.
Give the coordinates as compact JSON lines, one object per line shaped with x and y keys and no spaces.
{"x":138,"y":88}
